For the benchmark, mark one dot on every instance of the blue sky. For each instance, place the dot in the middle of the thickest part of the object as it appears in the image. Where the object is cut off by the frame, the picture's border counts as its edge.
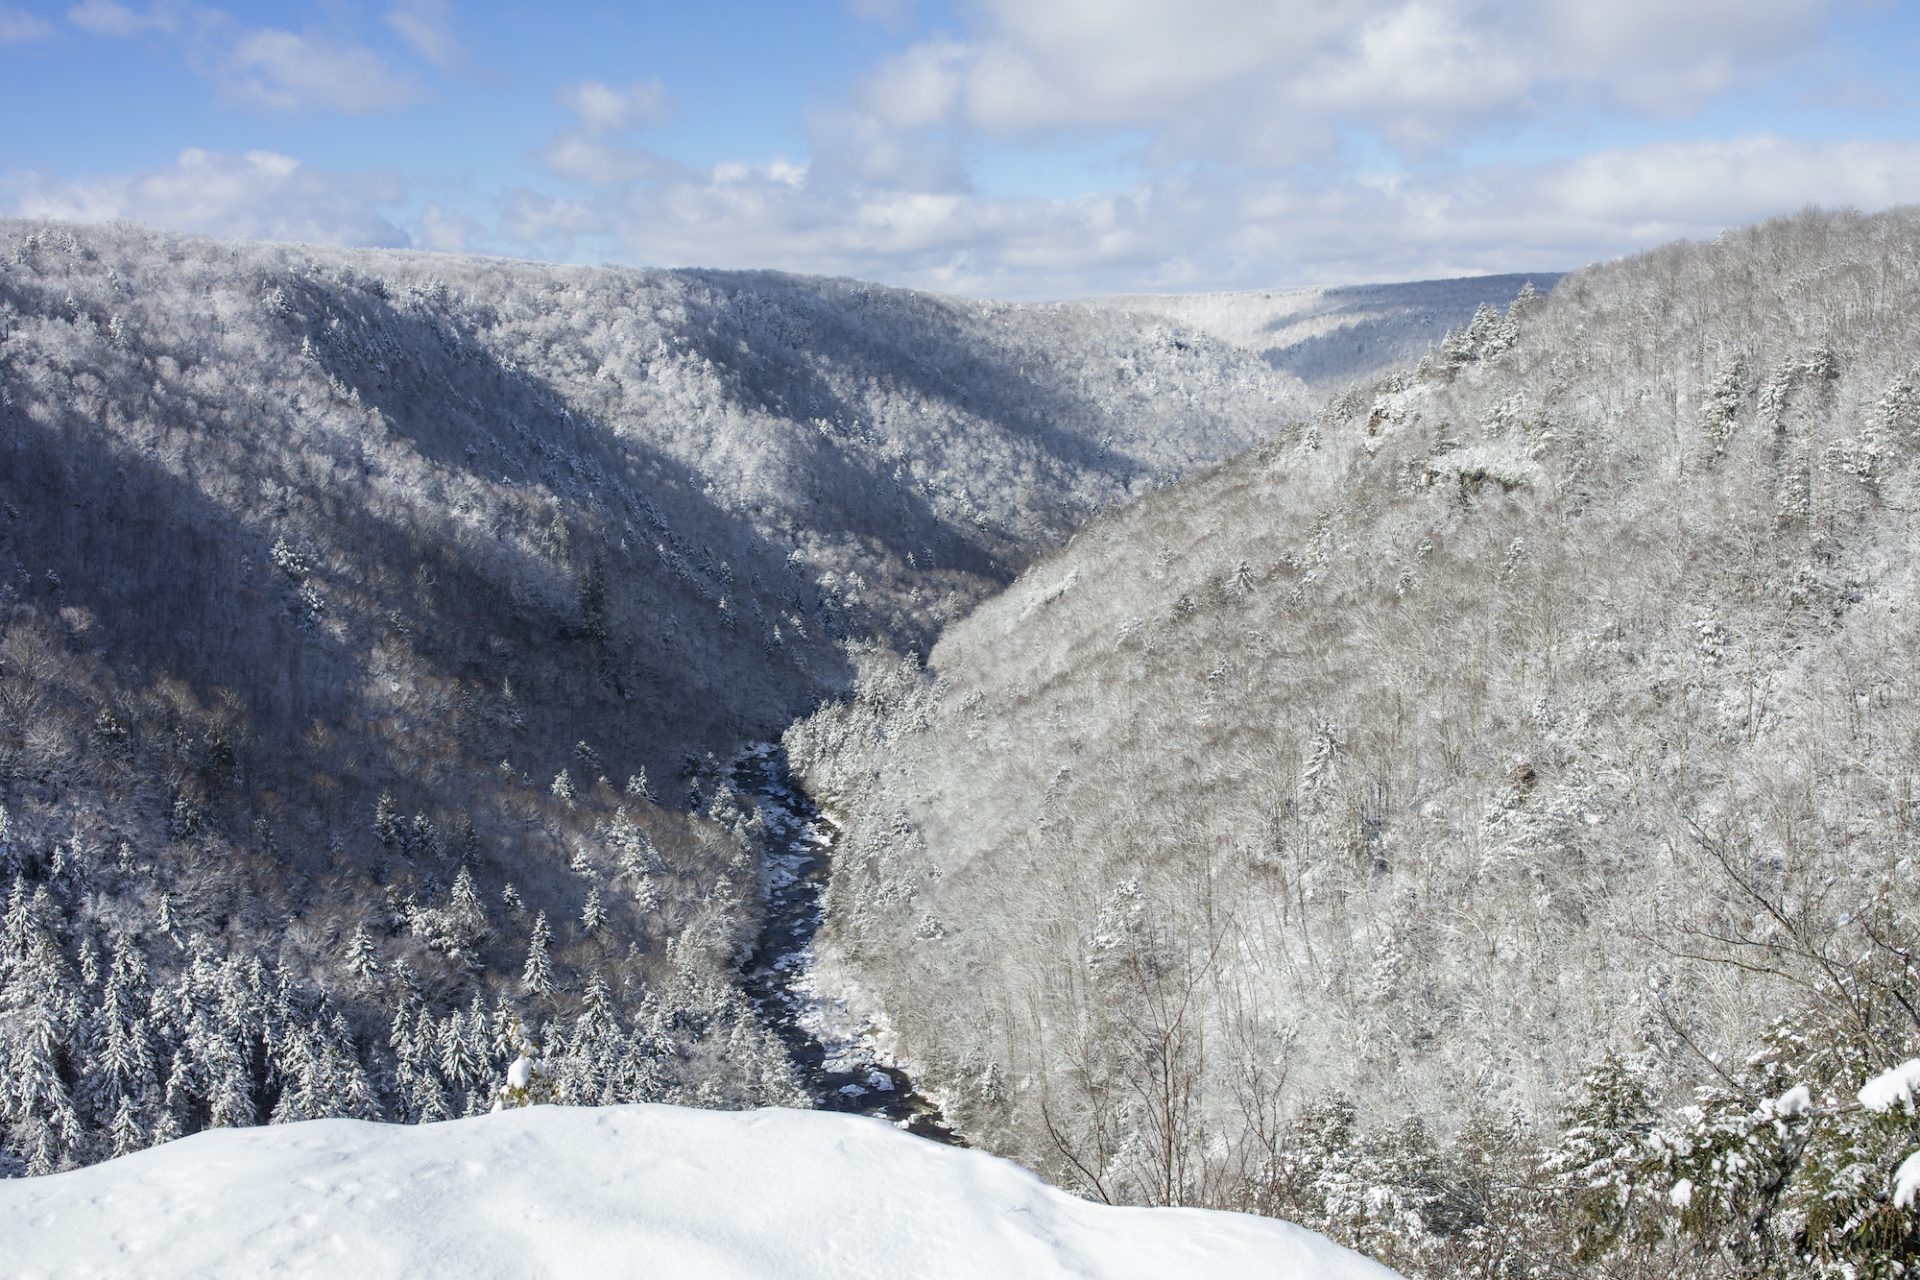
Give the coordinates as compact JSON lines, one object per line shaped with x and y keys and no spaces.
{"x":1001,"y":147}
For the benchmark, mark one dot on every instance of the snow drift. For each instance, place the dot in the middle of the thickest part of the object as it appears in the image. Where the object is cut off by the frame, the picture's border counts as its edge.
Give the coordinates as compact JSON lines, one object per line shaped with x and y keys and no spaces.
{"x":634,"y":1190}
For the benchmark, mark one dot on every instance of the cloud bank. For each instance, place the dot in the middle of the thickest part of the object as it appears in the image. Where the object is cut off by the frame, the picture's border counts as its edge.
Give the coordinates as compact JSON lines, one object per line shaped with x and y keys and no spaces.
{"x":1235,"y":143}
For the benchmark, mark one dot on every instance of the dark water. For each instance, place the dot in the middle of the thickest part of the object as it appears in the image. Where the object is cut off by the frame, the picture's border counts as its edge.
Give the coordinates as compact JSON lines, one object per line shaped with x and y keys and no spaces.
{"x":841,"y":1066}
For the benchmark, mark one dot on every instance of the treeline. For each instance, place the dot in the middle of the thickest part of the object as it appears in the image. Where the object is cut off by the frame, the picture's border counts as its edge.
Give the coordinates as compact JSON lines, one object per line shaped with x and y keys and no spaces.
{"x":104,"y":1058}
{"x":1477,"y":822}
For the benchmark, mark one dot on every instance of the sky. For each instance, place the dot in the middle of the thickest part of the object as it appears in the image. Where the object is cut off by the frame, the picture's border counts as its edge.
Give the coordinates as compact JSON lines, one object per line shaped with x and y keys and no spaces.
{"x":1005,"y":148}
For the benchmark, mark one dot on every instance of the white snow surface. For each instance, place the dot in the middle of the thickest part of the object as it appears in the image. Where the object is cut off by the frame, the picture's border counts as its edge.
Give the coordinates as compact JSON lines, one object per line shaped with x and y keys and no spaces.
{"x":615,"y":1191}
{"x":1894,"y":1087}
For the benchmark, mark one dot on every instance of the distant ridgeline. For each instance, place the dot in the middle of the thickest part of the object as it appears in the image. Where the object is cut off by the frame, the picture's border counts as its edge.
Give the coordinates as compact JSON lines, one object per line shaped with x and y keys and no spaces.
{"x":1332,"y":337}
{"x":1477,"y":823}
{"x":375,"y":630}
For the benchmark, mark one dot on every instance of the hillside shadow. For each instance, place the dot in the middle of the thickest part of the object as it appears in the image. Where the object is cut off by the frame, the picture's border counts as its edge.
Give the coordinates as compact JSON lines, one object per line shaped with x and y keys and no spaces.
{"x":1378,"y":327}
{"x":889,"y":352}
{"x":664,"y":537}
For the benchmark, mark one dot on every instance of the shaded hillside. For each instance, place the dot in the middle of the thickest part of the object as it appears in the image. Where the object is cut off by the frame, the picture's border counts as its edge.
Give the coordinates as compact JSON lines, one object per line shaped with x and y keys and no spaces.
{"x":1554,"y":699}
{"x":375,"y":629}
{"x":1333,"y":337}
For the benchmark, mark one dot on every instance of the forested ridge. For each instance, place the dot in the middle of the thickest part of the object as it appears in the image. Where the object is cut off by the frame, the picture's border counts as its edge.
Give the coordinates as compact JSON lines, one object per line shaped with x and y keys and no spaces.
{"x":376,"y":630}
{"x":1333,"y":337}
{"x":1477,"y":822}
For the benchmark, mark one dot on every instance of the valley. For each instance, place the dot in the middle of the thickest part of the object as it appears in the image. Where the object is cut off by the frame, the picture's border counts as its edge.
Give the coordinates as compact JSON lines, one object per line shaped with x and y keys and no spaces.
{"x":1428,"y":762}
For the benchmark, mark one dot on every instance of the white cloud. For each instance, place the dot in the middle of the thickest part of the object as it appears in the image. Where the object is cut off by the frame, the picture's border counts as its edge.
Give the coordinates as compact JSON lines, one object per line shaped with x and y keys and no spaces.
{"x":1217,"y":229}
{"x":550,"y":223}
{"x":1419,"y":73}
{"x":1656,"y":55}
{"x":286,"y":72}
{"x":1268,"y":81}
{"x":584,"y":158}
{"x":592,"y":152}
{"x":1564,"y":213}
{"x":280,"y":69}
{"x":107,"y":18}
{"x":445,"y":231}
{"x":427,"y":28}
{"x":1121,"y":61}
{"x":1695,"y":187}
{"x":919,"y":87}
{"x":603,"y":108}
{"x":17,"y":25}
{"x":1263,"y":93}
{"x":259,"y":195}
{"x":861,"y":148}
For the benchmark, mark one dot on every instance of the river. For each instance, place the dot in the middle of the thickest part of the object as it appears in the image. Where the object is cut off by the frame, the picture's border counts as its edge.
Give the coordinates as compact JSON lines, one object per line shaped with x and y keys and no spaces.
{"x":835,"y":1052}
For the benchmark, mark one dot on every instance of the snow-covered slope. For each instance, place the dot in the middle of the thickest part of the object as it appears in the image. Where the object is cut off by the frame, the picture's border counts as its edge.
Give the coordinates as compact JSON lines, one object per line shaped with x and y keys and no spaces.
{"x":1330,"y":337}
{"x":1439,"y":745}
{"x":614,"y":1191}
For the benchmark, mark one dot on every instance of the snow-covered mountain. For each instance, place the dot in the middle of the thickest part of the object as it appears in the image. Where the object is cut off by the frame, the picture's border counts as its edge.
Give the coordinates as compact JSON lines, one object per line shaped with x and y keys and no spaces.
{"x":616,"y":1191}
{"x":1452,"y":775}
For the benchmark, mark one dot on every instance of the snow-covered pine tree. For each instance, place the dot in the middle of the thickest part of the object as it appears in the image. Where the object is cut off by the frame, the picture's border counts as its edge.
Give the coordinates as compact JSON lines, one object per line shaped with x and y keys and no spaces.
{"x":536,"y":978}
{"x":362,"y":957}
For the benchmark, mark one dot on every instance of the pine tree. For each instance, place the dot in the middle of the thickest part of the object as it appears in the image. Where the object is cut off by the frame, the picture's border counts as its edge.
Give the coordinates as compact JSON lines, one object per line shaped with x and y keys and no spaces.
{"x":465,"y":901}
{"x":536,"y":979}
{"x":352,"y":1092}
{"x":122,"y":1069}
{"x":363,"y":960}
{"x":304,"y":1094}
{"x":125,"y":1131}
{"x":459,"y":1066}
{"x":386,"y":821}
{"x":40,"y":1032}
{"x":165,"y":921}
{"x":229,"y":1086}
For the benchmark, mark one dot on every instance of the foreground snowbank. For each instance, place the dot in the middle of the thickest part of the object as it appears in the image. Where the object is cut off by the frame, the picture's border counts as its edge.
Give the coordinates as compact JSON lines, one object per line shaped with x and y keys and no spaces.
{"x":614,"y":1191}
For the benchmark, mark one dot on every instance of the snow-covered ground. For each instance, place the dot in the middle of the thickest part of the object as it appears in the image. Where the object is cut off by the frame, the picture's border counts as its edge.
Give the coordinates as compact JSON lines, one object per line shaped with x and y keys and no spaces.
{"x":614,"y":1191}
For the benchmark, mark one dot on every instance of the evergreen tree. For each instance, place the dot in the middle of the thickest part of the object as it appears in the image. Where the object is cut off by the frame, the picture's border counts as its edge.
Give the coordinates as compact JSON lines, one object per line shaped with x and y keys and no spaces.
{"x":122,"y":1068}
{"x":386,"y":821}
{"x":363,"y":959}
{"x":38,"y":1036}
{"x":459,"y":1066}
{"x":124,"y":1131}
{"x":536,"y":979}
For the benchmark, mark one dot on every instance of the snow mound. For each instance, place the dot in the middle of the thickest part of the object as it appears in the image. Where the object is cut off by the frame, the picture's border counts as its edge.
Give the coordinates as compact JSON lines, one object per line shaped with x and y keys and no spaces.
{"x":615,"y":1191}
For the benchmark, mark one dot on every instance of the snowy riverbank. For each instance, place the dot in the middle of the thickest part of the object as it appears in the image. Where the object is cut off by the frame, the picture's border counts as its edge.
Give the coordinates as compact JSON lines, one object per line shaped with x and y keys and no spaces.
{"x":838,"y":1053}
